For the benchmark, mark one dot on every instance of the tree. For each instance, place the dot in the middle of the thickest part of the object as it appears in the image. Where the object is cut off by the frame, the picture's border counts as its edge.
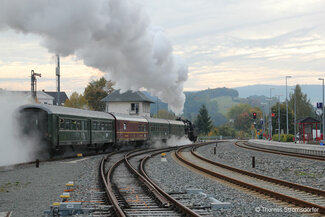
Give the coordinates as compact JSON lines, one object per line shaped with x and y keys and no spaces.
{"x":97,"y":90}
{"x":283,"y":119}
{"x":227,"y":130}
{"x":303,"y":105}
{"x":236,"y":110}
{"x":242,"y":116}
{"x":203,"y":122}
{"x":164,"y":114}
{"x":76,"y":101}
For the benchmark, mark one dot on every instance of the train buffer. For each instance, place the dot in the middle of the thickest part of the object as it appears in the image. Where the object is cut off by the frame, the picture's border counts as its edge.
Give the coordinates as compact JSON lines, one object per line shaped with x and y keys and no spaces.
{"x":66,"y":209}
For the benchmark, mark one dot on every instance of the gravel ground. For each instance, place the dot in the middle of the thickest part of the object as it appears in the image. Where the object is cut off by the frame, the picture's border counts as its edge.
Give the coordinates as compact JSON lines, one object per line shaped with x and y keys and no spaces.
{"x":175,"y":178}
{"x":28,"y":191}
{"x":297,"y":170}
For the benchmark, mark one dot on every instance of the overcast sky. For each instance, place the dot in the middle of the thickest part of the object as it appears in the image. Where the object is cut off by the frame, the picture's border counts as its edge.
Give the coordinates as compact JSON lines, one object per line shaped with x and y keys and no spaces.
{"x":226,"y":43}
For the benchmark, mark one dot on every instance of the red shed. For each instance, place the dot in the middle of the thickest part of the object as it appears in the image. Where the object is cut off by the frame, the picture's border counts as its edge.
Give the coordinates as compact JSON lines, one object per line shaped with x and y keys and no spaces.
{"x":306,"y":127}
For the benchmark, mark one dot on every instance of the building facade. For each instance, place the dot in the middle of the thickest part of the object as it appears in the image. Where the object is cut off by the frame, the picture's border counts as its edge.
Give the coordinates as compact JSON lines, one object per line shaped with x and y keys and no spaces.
{"x":131,"y":103}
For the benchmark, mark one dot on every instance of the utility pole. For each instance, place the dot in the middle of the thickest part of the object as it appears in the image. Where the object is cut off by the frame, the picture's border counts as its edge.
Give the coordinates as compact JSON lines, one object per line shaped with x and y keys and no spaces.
{"x":263,"y":111}
{"x":34,"y":83}
{"x":322,"y":79}
{"x":157,"y":106}
{"x":58,"y":80}
{"x":270,"y":115}
{"x":279,"y":113}
{"x":279,"y":118}
{"x":287,"y":103}
{"x":295,"y":111}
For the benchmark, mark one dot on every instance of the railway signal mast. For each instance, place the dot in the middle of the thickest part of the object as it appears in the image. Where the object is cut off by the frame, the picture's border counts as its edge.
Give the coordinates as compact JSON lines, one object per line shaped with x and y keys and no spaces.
{"x":34,"y":83}
{"x":58,"y":80}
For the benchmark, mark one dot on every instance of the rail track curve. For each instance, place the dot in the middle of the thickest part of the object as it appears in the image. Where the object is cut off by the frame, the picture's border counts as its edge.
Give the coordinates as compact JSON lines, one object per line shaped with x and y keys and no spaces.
{"x":302,"y":196}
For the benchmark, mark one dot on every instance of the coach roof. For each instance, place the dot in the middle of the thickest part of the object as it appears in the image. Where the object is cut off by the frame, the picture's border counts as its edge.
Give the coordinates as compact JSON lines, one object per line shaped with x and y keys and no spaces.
{"x":52,"y":109}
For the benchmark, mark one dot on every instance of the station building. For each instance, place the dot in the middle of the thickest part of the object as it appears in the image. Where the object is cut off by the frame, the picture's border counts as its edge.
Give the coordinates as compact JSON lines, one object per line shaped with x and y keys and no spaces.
{"x":129,"y":102}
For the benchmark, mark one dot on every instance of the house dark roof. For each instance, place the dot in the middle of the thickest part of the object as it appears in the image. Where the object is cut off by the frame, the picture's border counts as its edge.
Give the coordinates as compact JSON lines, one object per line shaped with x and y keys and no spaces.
{"x":308,"y":120}
{"x":63,"y":96}
{"x":128,"y":96}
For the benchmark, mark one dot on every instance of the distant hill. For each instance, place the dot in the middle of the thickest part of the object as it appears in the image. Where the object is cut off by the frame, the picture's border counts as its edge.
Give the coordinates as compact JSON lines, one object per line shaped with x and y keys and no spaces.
{"x":219,"y":100}
{"x":216,"y":100}
{"x":314,"y":92}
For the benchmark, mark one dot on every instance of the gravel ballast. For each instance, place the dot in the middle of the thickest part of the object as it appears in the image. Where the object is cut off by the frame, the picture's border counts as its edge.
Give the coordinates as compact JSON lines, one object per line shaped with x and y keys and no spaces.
{"x":175,"y":178}
{"x":28,"y":191}
{"x":298,"y":170}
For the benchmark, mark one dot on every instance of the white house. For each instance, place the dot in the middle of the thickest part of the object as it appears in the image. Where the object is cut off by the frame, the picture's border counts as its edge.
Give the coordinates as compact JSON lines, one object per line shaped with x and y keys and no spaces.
{"x":44,"y":98}
{"x":41,"y":96}
{"x":133,"y":103}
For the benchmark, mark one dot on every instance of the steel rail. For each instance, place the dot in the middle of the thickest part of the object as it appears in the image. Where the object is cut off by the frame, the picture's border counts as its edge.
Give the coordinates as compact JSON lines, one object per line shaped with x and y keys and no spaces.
{"x":185,"y":210}
{"x":165,"y":202}
{"x":162,"y":200}
{"x":312,"y":157}
{"x":108,"y":187}
{"x":261,"y":190}
{"x":262,"y":177}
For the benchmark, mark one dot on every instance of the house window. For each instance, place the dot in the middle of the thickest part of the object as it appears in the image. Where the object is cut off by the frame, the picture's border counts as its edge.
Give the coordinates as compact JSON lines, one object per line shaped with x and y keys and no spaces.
{"x":135,"y":107}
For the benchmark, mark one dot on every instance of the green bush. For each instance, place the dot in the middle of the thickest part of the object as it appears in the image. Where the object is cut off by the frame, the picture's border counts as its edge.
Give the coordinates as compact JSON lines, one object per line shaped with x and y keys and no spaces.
{"x":290,"y":138}
{"x":275,"y":137}
{"x":283,"y":138}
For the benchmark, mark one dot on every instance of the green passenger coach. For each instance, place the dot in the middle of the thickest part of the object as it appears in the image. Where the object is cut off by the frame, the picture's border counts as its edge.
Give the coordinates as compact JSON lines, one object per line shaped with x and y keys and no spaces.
{"x":176,"y":128}
{"x":60,"y":127}
{"x":158,"y":129}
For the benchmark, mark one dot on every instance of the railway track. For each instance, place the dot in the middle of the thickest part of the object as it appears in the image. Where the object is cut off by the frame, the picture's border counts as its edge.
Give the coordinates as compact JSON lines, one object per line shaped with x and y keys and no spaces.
{"x":246,"y":145}
{"x":132,"y":193}
{"x":299,"y":195}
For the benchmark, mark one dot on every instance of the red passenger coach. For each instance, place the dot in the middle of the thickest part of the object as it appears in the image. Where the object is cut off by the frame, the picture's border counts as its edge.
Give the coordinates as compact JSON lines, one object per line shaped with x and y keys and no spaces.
{"x":130,"y":129}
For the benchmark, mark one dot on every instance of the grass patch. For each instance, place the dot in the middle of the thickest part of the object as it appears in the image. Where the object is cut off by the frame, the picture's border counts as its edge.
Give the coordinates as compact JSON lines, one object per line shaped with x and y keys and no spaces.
{"x":305,"y":174}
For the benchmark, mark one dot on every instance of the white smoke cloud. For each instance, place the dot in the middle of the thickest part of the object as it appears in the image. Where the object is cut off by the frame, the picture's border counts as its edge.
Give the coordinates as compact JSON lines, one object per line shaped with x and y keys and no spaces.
{"x":114,"y":36}
{"x":172,"y":141}
{"x":14,"y":148}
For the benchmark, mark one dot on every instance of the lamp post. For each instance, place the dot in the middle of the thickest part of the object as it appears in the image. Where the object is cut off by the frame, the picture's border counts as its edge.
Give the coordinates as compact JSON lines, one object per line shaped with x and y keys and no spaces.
{"x":279,"y":123}
{"x":263,"y":105}
{"x":295,"y":108}
{"x":322,"y":79}
{"x":287,"y":102}
{"x":270,"y":115}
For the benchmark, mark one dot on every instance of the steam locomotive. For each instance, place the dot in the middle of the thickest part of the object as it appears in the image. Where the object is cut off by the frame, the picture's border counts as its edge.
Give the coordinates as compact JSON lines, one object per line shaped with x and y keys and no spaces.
{"x":58,"y":128}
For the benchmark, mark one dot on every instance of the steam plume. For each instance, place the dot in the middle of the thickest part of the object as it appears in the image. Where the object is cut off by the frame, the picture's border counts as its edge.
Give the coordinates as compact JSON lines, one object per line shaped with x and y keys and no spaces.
{"x":172,"y":141}
{"x":114,"y":36}
{"x":14,"y":148}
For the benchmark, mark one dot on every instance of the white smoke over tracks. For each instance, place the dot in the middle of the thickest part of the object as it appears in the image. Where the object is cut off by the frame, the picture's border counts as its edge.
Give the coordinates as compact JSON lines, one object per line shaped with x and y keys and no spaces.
{"x":14,"y":147}
{"x":114,"y":36}
{"x":172,"y":141}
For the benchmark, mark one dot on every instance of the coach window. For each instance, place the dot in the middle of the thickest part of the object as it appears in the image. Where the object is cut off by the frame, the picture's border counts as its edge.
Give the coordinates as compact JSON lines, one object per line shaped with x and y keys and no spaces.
{"x":61,"y":124}
{"x":144,"y":128}
{"x":85,"y":125}
{"x":109,"y":126}
{"x":95,"y":125}
{"x":73,"y":125}
{"x":78,"y":125}
{"x":124,"y":126}
{"x":67,"y":124}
